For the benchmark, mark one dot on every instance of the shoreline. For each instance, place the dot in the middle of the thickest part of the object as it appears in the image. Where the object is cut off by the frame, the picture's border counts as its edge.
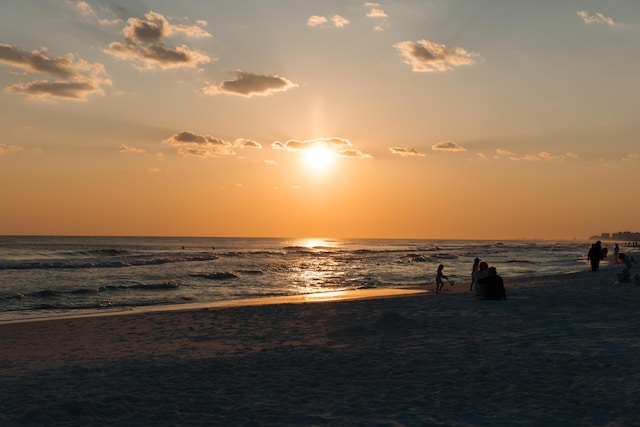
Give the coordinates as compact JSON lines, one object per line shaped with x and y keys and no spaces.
{"x":460,"y":287}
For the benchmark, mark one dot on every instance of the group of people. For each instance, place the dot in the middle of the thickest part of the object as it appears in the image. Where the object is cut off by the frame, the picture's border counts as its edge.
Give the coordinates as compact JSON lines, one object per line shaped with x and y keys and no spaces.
{"x":486,"y":281}
{"x":598,"y":253}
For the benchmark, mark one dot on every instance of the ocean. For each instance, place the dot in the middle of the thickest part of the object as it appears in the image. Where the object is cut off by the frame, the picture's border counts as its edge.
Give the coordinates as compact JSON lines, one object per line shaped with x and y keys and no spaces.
{"x":42,"y":277}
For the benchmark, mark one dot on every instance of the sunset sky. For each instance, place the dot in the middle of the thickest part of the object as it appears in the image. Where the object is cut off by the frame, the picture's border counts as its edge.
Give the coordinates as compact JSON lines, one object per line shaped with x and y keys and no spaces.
{"x":437,"y":119}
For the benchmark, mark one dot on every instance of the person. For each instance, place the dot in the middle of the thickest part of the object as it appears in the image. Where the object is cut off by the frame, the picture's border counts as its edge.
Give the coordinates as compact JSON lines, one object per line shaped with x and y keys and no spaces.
{"x":480,"y":273}
{"x":439,"y":277}
{"x":627,"y":260}
{"x":493,"y":286}
{"x":473,"y":270}
{"x":594,"y":255}
{"x":616,"y":252}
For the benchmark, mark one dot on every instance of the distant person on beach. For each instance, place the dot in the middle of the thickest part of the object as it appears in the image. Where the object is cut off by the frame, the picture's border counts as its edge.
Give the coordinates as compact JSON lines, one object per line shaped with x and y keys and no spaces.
{"x":480,"y":273}
{"x":473,"y":270}
{"x":439,"y":277}
{"x":616,"y":252}
{"x":595,"y":255}
{"x":493,"y":286}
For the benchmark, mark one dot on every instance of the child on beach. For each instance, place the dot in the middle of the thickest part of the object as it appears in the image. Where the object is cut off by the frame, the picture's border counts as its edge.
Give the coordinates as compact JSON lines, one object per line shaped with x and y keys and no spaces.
{"x":439,"y":277}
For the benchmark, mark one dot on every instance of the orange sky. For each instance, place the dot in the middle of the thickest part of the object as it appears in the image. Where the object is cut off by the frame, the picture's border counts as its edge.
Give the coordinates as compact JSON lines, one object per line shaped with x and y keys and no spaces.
{"x":436,"y":119}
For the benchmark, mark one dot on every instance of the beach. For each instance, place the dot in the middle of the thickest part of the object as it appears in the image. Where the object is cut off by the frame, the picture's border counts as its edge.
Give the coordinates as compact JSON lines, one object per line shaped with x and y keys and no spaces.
{"x":561,"y":350}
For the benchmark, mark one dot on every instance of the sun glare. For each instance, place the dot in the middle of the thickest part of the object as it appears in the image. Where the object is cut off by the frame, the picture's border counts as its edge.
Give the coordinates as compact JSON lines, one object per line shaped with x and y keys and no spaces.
{"x":318,"y":158}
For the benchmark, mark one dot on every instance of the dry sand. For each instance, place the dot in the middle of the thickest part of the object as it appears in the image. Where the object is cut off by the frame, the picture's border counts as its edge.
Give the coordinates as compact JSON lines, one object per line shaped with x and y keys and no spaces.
{"x":562,"y":350}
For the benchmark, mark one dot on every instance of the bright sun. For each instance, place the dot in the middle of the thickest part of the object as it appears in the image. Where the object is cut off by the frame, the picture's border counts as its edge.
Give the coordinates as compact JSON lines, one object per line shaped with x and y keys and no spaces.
{"x":319,"y":158}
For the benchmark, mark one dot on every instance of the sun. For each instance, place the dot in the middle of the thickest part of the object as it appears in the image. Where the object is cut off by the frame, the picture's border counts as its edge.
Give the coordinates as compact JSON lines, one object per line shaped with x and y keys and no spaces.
{"x":319,"y":158}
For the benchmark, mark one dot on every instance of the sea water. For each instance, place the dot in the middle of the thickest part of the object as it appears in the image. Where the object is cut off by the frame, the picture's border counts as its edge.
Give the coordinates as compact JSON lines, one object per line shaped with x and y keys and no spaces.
{"x":54,"y":276}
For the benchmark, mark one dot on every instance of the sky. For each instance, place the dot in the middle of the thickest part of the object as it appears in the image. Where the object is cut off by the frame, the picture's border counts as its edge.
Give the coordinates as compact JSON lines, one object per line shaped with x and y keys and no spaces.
{"x":419,"y":119}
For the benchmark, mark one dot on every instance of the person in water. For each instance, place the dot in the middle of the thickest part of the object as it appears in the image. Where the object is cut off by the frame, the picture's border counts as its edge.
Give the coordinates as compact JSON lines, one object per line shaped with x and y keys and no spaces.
{"x":493,"y":286}
{"x":595,"y":255}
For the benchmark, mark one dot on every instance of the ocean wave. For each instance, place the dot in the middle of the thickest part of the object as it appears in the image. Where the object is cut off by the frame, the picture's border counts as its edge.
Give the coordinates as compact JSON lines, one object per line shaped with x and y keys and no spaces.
{"x":52,"y":294}
{"x":216,"y":276}
{"x":105,"y":262}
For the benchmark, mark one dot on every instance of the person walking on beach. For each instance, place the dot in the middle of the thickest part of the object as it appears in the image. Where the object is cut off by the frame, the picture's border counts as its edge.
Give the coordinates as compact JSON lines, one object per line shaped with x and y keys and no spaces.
{"x":439,"y":277}
{"x":473,"y":271}
{"x":594,"y":255}
{"x":616,"y":252}
{"x":480,"y":273}
{"x":493,"y":286}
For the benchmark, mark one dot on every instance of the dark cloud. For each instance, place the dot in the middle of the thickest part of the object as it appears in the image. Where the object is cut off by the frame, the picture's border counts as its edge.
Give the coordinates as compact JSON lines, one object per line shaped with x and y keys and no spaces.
{"x":193,"y":144}
{"x":249,"y":84}
{"x":145,"y":43}
{"x":77,"y":79}
{"x":447,"y":146}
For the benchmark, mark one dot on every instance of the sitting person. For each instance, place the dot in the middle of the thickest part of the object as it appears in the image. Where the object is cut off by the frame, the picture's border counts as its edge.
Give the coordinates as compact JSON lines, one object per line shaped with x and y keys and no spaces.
{"x":493,"y":286}
{"x":480,"y":273}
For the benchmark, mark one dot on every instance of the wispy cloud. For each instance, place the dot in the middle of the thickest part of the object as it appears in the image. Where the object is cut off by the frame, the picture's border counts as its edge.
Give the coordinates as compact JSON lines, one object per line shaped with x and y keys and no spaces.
{"x":249,"y":84}
{"x":598,"y":18}
{"x":541,"y":156}
{"x":123,"y":148}
{"x":447,"y":146}
{"x":145,"y":44}
{"x":336,"y":21}
{"x":105,"y":16}
{"x":76,"y":78}
{"x":192,"y":144}
{"x":427,"y":56}
{"x":378,"y":15}
{"x":406,"y":152}
{"x":7,"y":149}
{"x":339,"y":146}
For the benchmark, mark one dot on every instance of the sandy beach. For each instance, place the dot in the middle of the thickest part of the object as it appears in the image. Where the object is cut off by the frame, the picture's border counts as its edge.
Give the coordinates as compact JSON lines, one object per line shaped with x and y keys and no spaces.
{"x":562,"y":350}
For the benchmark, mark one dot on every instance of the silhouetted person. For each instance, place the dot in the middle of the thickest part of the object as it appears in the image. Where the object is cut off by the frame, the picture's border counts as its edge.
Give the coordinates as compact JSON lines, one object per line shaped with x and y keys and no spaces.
{"x":439,"y":277}
{"x":480,"y":273}
{"x":595,"y":255}
{"x":493,"y":286}
{"x":476,"y":262}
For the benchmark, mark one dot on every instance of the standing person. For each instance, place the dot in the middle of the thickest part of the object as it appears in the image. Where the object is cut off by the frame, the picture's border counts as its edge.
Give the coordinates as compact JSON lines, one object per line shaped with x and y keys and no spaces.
{"x":493,"y":286}
{"x":480,"y":273}
{"x":473,"y":270}
{"x":616,"y":252}
{"x":439,"y":277}
{"x":594,"y":255}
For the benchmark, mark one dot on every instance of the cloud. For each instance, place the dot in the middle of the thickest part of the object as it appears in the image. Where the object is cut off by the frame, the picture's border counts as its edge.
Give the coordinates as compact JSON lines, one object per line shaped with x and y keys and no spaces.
{"x":336,"y":21}
{"x":76,"y":78}
{"x":598,"y":18}
{"x":249,"y":84}
{"x":7,"y":149}
{"x":406,"y":152}
{"x":447,"y":146}
{"x":376,"y":13}
{"x":541,"y":156}
{"x":192,"y":144}
{"x":145,"y":43}
{"x":426,"y":56}
{"x":127,"y":149}
{"x":109,"y":17}
{"x":315,"y":21}
{"x":341,"y":147}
